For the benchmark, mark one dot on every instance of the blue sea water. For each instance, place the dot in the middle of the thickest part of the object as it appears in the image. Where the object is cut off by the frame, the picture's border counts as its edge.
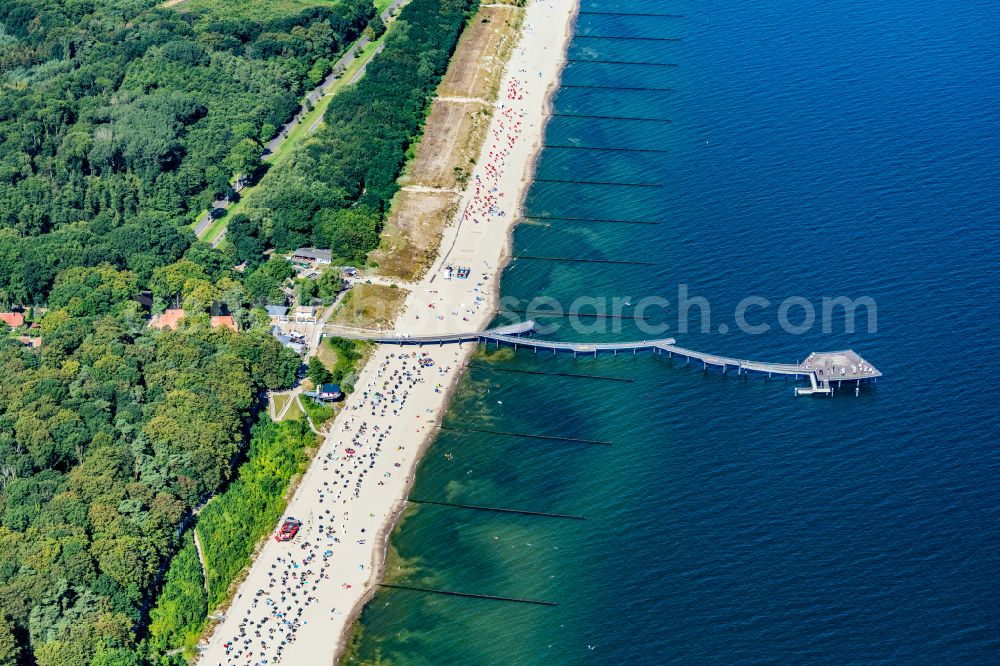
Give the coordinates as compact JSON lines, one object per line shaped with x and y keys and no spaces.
{"x":815,"y":149}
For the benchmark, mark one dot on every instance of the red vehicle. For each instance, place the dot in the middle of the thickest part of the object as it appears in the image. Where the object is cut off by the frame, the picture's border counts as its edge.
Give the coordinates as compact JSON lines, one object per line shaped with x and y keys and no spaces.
{"x":288,"y":529}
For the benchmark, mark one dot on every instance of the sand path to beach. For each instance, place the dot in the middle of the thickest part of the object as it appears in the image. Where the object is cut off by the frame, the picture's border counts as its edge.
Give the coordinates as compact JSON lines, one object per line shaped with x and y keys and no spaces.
{"x":300,"y":598}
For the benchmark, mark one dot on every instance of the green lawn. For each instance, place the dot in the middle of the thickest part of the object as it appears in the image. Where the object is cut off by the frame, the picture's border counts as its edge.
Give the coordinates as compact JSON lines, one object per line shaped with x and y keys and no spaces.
{"x":279,"y":403}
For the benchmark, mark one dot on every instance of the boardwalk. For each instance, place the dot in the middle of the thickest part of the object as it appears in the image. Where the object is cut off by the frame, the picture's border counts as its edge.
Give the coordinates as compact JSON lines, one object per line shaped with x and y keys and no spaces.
{"x":825,"y":370}
{"x":513,"y":335}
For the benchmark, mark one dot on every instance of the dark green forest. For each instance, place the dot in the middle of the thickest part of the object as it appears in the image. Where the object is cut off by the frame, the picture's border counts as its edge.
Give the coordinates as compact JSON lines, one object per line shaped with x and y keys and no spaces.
{"x":119,"y":122}
{"x":335,"y":190}
{"x":108,"y":439}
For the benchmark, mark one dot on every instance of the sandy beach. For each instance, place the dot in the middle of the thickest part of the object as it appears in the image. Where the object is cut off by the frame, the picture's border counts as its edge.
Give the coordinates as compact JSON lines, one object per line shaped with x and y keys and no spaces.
{"x":300,"y":598}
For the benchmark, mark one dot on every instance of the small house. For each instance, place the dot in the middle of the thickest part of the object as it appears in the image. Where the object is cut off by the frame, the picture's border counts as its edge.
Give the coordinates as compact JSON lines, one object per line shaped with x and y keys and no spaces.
{"x":12,"y":319}
{"x":170,"y":318}
{"x":310,"y":256}
{"x":306,"y":313}
{"x":224,"y":321}
{"x":277,"y":312}
{"x":329,"y":392}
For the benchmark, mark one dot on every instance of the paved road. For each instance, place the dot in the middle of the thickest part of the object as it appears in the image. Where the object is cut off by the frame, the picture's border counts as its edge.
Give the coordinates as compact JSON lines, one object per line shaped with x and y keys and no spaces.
{"x":272,"y":146}
{"x":345,"y":61}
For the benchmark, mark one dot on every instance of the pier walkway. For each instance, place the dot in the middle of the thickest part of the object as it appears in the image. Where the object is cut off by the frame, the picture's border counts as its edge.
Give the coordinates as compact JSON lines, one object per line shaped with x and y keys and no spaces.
{"x":825,"y":371}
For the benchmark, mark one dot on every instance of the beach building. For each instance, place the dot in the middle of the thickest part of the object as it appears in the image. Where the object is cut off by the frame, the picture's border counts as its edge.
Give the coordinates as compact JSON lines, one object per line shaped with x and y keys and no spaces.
{"x":329,"y":392}
{"x":310,"y":256}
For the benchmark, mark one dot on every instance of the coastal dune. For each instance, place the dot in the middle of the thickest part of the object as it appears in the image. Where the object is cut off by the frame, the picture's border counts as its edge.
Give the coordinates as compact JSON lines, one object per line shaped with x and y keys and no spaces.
{"x":300,"y":598}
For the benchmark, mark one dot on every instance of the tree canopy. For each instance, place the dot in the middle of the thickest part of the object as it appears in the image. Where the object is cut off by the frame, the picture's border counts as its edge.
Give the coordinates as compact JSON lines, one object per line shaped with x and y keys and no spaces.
{"x":120,"y":121}
{"x":336,"y":188}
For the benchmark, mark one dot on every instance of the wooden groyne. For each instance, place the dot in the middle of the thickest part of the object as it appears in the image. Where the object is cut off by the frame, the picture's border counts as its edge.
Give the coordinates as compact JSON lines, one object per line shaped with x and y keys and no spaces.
{"x":575,"y":260}
{"x":593,"y":13}
{"x":620,"y":62}
{"x":609,"y":150}
{"x":590,"y":117}
{"x":573,"y":375}
{"x":525,"y":435}
{"x":496,"y":509}
{"x":468,"y":595}
{"x":595,"y":182}
{"x":630,"y":39}
{"x":591,"y":219}
{"x":632,"y":88}
{"x":588,"y":315}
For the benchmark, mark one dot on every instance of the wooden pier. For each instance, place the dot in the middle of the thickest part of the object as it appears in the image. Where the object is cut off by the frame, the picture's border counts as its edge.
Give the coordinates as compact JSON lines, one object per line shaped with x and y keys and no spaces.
{"x":825,"y":371}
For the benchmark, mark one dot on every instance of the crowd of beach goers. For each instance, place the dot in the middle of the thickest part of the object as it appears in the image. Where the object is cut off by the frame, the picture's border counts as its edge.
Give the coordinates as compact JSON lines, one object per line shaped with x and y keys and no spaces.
{"x":300,"y":597}
{"x":507,"y":128}
{"x":301,"y":570}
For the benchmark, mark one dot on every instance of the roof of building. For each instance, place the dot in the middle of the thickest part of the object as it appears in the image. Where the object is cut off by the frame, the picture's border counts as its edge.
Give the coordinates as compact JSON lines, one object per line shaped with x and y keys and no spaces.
{"x":312,"y":254}
{"x":224,"y":321}
{"x":329,"y":389}
{"x":12,"y":319}
{"x":276,"y":310}
{"x":169,"y":319}
{"x":30,"y":342}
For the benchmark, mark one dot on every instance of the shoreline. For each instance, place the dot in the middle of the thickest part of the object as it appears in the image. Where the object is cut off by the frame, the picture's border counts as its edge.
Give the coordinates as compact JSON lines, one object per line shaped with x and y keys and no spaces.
{"x":379,"y":560}
{"x":321,"y":600}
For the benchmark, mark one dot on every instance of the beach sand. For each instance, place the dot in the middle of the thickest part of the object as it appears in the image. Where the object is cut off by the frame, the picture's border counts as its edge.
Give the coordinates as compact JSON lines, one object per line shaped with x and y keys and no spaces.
{"x":309,"y":591}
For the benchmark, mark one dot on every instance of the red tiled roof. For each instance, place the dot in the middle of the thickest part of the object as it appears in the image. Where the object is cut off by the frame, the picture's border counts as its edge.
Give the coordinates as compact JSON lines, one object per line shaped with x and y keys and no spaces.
{"x":226,"y":321}
{"x":30,"y":342}
{"x":168,"y":319}
{"x":12,"y":319}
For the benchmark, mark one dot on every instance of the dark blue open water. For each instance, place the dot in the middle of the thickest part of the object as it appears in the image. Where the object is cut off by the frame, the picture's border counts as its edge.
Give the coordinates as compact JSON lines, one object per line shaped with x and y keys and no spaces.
{"x":816,"y":148}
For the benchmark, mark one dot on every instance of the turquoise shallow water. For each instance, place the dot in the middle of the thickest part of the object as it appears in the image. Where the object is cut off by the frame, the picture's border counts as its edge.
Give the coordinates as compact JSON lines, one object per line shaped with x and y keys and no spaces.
{"x":839,"y":148}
